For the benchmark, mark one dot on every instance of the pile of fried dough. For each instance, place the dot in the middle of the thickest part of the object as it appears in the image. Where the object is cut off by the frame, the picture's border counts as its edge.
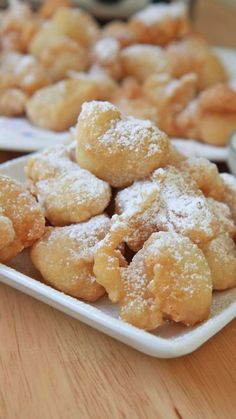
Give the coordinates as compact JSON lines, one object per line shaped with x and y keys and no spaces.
{"x":152,"y":67}
{"x":127,"y":215}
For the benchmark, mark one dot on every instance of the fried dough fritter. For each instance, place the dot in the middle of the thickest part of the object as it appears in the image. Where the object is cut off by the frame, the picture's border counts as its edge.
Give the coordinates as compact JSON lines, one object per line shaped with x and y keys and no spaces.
{"x":168,"y":278}
{"x":211,"y":117}
{"x":12,"y":102}
{"x":56,"y":107}
{"x":180,"y":206}
{"x":229,"y":182}
{"x":21,"y":220}
{"x":160,"y":24}
{"x":220,"y":254}
{"x":62,"y":54}
{"x":117,"y":149}
{"x":192,"y":54}
{"x":140,"y":61}
{"x":205,"y":174}
{"x":67,"y":193}
{"x":65,"y":257}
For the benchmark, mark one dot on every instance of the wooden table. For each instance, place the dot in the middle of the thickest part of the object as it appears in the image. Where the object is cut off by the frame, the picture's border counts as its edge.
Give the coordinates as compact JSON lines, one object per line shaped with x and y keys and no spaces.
{"x":53,"y":366}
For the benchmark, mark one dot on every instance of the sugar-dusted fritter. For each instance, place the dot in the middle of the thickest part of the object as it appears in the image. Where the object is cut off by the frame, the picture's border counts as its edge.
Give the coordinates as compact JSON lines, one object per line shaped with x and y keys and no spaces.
{"x":67,"y":193}
{"x":121,"y":31}
{"x":192,"y":54}
{"x":21,"y":220}
{"x":224,"y":218}
{"x":221,"y":258}
{"x":168,"y":278}
{"x":18,"y":26}
{"x":56,"y":107}
{"x":211,"y":117}
{"x":205,"y":174}
{"x":50,"y":163}
{"x":160,"y":24}
{"x":180,"y":206}
{"x":140,"y":61}
{"x":129,"y":98}
{"x":7,"y":232}
{"x":118,"y":149}
{"x":106,"y":53}
{"x":169,"y":96}
{"x":65,"y":257}
{"x":74,"y":23}
{"x":61,"y":55}
{"x":229,"y":182}
{"x":12,"y":102}
{"x":105,"y":84}
{"x":28,"y":74}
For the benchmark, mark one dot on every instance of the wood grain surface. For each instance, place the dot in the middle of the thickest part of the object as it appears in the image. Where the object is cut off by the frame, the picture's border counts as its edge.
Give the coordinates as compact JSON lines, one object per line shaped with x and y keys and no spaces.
{"x":54,"y":367}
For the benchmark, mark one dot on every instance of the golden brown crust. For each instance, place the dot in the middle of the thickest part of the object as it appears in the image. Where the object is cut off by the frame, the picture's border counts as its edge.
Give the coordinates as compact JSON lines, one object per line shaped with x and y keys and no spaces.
{"x":160,"y":24}
{"x":218,"y":98}
{"x":24,"y":215}
{"x":65,"y":257}
{"x":118,"y":149}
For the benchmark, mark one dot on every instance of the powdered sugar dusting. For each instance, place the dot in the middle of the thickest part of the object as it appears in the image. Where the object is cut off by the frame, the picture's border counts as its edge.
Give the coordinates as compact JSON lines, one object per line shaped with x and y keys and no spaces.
{"x":154,"y":14}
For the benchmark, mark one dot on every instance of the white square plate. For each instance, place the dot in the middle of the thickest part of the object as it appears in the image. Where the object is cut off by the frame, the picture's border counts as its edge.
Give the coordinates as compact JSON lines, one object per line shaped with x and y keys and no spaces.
{"x":168,"y":341}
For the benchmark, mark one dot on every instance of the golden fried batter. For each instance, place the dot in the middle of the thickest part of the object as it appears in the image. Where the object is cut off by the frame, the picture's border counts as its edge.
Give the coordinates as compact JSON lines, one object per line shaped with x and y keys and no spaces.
{"x":141,"y":61}
{"x":62,"y":54}
{"x":29,"y":75}
{"x":211,"y":118}
{"x":160,"y":23}
{"x":221,"y":257}
{"x":106,"y":53}
{"x":206,"y":175}
{"x":180,"y":206}
{"x":118,"y":150}
{"x":7,"y":232}
{"x":21,"y":220}
{"x":12,"y":102}
{"x":67,"y":193}
{"x":130,"y":100}
{"x":65,"y":257}
{"x":18,"y":26}
{"x":121,"y":31}
{"x":168,"y":278}
{"x":169,"y":96}
{"x":229,"y":182}
{"x":57,"y":107}
{"x":221,"y":211}
{"x":193,"y":55}
{"x":74,"y":23}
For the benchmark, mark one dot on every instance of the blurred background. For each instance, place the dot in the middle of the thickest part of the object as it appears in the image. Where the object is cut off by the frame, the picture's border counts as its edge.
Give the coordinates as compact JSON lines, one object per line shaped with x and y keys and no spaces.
{"x":215,"y":19}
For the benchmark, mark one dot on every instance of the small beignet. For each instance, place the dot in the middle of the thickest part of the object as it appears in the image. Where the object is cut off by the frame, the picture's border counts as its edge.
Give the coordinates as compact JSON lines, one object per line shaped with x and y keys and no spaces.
{"x":205,"y":174}
{"x":220,"y":254}
{"x":67,"y":193}
{"x":229,"y":182}
{"x":65,"y":257}
{"x":140,"y":61}
{"x":57,"y":107}
{"x":12,"y":102}
{"x":160,"y":23}
{"x":118,"y":149}
{"x":192,"y":54}
{"x":169,"y":277}
{"x":21,"y":218}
